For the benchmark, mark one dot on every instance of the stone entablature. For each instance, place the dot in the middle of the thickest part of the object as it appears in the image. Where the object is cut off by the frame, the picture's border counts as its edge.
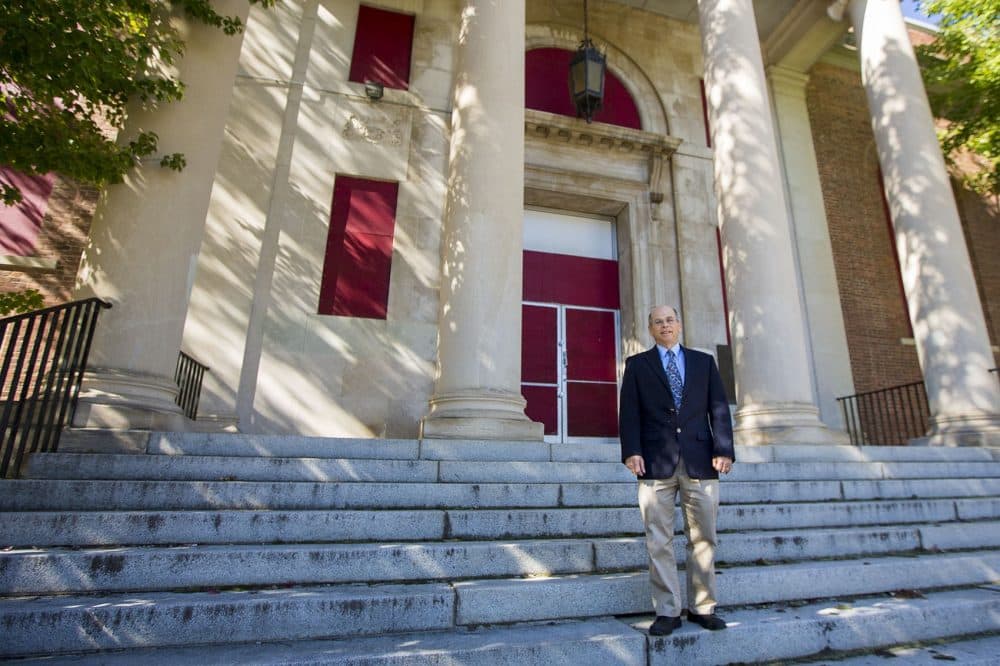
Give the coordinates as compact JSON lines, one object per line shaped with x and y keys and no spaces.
{"x":554,"y":128}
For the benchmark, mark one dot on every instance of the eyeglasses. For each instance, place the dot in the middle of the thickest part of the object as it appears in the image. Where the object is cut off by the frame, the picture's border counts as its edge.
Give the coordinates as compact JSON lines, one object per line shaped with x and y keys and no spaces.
{"x":668,"y":320}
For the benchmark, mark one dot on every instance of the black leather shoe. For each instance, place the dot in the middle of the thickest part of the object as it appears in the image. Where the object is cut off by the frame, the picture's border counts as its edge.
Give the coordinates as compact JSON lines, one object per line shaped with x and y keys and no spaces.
{"x":712,"y":622}
{"x":664,"y":626}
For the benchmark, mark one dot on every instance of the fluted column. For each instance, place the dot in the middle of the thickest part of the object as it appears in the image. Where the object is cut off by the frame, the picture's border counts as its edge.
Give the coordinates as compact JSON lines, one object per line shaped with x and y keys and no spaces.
{"x":477,"y":393}
{"x":775,"y":402}
{"x":145,"y":237}
{"x":947,"y":316}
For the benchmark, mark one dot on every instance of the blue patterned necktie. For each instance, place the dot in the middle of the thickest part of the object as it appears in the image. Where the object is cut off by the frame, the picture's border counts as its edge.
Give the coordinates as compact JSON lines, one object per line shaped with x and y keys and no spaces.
{"x":674,"y":375}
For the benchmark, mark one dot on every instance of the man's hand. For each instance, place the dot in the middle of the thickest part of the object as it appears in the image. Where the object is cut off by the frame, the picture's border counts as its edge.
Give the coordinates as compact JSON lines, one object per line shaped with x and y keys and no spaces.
{"x":636,"y":465}
{"x":721,"y":464}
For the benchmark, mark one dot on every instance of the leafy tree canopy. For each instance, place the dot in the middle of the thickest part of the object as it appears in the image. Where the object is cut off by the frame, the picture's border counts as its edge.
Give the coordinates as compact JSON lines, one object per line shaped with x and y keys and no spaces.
{"x":68,"y":68}
{"x":962,"y":72}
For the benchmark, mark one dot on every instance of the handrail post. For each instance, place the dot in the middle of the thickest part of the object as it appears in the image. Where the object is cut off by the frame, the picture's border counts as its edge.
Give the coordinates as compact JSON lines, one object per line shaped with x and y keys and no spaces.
{"x":48,"y":351}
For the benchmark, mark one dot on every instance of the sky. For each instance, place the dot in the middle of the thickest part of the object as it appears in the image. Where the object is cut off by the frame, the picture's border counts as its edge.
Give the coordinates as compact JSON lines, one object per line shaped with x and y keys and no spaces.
{"x":910,"y":10}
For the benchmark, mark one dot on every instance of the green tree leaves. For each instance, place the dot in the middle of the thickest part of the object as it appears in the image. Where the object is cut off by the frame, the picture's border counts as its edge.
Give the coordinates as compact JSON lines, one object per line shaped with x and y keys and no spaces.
{"x":68,"y":69}
{"x":962,"y":73}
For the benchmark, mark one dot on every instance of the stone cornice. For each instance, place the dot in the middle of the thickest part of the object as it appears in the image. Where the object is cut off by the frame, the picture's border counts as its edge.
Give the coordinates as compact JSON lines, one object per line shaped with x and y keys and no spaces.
{"x":553,"y":128}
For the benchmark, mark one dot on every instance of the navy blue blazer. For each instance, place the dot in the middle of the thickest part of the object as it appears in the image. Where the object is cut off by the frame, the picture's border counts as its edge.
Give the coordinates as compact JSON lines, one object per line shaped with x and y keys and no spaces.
{"x":650,"y":425}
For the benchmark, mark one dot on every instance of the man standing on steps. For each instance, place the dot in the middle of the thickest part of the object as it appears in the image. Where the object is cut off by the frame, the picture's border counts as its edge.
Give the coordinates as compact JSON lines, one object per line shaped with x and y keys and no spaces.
{"x":676,"y":435}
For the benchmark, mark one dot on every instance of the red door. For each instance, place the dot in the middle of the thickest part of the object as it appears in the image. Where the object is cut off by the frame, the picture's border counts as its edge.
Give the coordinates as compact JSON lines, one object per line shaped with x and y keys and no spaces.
{"x":591,"y":373}
{"x":569,"y":345}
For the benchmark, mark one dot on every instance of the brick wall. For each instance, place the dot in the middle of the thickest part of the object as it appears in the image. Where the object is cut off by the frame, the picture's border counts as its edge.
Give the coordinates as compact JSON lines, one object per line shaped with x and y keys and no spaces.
{"x":61,"y":240}
{"x":981,"y":224}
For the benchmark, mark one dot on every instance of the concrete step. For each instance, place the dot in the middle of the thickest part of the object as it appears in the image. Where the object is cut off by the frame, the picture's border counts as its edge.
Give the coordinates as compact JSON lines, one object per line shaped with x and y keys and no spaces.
{"x":519,"y":600}
{"x":292,"y":446}
{"x":66,"y":624}
{"x":979,"y":651}
{"x":57,"y":571}
{"x":69,"y":624}
{"x":55,"y":495}
{"x":919,"y":488}
{"x":816,"y":630}
{"x":601,"y":641}
{"x":231,"y":468}
{"x":514,"y":472}
{"x":99,"y":528}
{"x":237,"y":468}
{"x":125,"y":495}
{"x":753,"y":636}
{"x":824,"y":453}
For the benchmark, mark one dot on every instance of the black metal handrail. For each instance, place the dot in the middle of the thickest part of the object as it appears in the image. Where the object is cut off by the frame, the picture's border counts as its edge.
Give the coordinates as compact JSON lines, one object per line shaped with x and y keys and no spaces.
{"x":44,"y":354}
{"x":189,"y":375}
{"x":888,"y":417}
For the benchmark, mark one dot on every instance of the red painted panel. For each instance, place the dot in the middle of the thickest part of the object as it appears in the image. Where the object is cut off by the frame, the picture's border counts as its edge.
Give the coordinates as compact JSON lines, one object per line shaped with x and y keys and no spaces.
{"x":704,"y":113}
{"x":358,"y":259}
{"x":546,"y":80}
{"x":383,"y":44}
{"x":590,"y":345}
{"x":20,"y":224}
{"x":561,"y":278}
{"x":371,"y":211}
{"x":539,"y":352}
{"x":591,"y":410}
{"x":542,"y":407}
{"x":722,"y":278}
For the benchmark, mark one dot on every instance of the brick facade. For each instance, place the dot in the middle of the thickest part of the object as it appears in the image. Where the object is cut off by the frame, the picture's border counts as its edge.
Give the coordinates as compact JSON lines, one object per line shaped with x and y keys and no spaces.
{"x":61,"y":240}
{"x":981,"y":224}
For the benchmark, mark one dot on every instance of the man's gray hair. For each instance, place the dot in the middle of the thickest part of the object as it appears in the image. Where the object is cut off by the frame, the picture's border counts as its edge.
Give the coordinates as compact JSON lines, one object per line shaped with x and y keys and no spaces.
{"x":649,"y":317}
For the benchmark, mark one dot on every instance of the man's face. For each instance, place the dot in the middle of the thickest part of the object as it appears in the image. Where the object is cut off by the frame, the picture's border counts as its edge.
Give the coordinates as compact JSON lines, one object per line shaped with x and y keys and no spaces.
{"x":665,"y":327}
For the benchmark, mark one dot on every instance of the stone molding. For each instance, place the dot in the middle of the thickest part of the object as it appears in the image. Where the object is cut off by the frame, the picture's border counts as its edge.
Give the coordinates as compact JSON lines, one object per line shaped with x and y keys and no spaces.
{"x":596,"y":138}
{"x":554,"y":128}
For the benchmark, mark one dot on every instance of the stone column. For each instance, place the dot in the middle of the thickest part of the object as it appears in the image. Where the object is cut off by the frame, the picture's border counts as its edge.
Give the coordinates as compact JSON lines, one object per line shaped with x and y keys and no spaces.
{"x":477,"y":392}
{"x":831,"y":360}
{"x":144,"y":242}
{"x":775,"y":402}
{"x":948,"y":323}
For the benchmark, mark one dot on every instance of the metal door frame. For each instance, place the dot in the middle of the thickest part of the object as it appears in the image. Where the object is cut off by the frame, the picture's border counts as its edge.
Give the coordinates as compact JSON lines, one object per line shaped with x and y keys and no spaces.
{"x":561,"y":436}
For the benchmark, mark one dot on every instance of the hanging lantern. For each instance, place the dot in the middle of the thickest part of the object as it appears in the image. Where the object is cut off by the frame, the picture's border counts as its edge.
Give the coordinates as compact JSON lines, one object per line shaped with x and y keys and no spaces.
{"x":586,"y":75}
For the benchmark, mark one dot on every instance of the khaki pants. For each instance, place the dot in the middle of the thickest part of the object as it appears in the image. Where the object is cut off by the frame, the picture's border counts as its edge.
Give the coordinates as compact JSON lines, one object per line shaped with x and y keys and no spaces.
{"x":699,"y":504}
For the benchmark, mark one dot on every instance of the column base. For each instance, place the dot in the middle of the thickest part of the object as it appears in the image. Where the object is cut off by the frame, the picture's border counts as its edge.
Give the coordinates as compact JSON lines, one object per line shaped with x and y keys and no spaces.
{"x":122,"y":400}
{"x":977,"y":429}
{"x":480,"y":414}
{"x":783,"y":423}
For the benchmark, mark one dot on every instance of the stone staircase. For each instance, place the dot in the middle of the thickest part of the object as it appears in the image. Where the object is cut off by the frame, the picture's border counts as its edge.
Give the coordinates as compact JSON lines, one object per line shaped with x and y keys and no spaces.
{"x":219,"y":549}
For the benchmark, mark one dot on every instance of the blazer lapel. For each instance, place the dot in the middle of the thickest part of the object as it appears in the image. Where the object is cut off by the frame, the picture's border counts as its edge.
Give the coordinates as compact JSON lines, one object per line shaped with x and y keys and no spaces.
{"x":693,"y":373}
{"x":652,"y":357}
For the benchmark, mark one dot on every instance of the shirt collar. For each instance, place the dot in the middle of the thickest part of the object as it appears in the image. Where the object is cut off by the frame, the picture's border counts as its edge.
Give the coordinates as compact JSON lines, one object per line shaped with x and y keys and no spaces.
{"x":676,"y":349}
